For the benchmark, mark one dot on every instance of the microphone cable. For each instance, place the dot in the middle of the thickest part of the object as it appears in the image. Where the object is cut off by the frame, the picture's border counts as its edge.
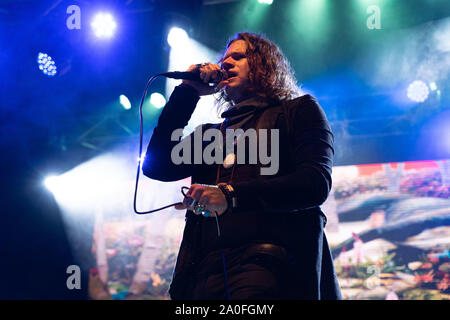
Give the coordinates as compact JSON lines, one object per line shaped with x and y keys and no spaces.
{"x":224,"y":263}
{"x":192,"y":75}
{"x":141,"y":135}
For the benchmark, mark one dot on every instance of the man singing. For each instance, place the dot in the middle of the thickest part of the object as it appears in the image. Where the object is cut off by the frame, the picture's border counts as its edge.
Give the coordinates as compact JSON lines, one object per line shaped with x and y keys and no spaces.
{"x":250,"y":235}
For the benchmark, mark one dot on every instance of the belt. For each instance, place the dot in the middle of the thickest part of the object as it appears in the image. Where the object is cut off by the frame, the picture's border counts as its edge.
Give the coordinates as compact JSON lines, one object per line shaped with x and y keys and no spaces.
{"x":254,"y":253}
{"x":262,"y":250}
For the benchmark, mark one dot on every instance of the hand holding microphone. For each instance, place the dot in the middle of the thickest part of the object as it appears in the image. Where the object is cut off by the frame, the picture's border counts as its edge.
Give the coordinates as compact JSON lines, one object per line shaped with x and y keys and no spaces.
{"x":205,"y":78}
{"x":209,"y":73}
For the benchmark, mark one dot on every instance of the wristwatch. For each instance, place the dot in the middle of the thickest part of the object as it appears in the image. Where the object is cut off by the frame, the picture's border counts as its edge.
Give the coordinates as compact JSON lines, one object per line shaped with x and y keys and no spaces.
{"x":230,"y":195}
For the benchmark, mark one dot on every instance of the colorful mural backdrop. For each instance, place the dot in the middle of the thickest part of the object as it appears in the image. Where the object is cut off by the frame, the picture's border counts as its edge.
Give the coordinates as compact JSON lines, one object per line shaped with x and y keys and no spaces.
{"x":388,"y":228}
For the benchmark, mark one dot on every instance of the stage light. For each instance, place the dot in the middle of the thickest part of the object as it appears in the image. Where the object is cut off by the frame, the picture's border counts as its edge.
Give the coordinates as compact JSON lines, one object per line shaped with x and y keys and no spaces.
{"x":418,"y":91}
{"x":177,"y":37}
{"x":83,"y":186}
{"x":46,"y":64}
{"x":104,"y":25}
{"x":433,"y":86}
{"x":268,"y":2}
{"x":181,"y":58}
{"x":126,"y":104}
{"x":158,"y":100}
{"x":51,"y":183}
{"x":314,"y":21}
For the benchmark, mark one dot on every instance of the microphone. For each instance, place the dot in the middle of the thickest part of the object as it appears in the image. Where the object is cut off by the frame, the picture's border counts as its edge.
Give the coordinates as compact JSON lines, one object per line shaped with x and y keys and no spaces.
{"x":194,"y":75}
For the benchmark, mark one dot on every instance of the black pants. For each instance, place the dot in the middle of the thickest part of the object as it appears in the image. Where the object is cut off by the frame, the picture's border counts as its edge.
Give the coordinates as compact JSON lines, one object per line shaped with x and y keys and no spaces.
{"x":260,"y":271}
{"x":304,"y":273}
{"x":249,"y":281}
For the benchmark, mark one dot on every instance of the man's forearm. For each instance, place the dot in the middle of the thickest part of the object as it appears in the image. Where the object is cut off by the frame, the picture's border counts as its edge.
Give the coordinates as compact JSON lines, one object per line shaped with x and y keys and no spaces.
{"x":176,"y":114}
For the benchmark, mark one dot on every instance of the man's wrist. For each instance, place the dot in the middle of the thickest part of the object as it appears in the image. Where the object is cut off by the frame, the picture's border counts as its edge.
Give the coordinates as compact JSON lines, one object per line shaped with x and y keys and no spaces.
{"x":230,"y":195}
{"x":189,"y":87}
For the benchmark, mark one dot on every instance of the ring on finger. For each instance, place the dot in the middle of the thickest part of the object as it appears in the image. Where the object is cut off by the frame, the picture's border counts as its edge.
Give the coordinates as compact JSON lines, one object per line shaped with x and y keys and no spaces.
{"x":199,"y":208}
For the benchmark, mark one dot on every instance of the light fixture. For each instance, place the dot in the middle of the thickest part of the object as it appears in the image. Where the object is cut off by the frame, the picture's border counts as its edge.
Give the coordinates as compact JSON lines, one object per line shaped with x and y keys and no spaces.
{"x":46,"y":64}
{"x":177,"y":37}
{"x":418,"y":91}
{"x":125,"y":102}
{"x":157,"y":100}
{"x":104,"y":25}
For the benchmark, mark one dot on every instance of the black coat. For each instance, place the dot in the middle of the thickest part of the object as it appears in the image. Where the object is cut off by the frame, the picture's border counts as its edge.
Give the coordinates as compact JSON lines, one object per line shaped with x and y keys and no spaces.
{"x":281,"y":209}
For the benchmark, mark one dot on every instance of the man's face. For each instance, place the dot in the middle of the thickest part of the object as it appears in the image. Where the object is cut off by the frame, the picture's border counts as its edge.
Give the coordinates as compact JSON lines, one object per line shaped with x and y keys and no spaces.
{"x":236,"y":64}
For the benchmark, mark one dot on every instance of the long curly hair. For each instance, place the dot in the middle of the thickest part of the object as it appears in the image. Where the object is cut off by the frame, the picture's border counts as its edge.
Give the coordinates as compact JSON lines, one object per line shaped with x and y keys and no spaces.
{"x":271,"y":76}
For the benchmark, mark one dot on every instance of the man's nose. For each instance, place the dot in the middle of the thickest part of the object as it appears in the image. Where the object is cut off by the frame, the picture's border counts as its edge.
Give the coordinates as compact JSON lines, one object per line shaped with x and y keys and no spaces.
{"x":227,"y":65}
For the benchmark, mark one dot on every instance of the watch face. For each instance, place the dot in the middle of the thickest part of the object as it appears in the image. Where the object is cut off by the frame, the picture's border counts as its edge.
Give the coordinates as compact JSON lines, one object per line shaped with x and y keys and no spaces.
{"x":229,"y":160}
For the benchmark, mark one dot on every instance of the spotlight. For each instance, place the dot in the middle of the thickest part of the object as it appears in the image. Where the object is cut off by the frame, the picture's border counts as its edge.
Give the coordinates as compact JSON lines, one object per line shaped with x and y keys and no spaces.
{"x":125,"y":102}
{"x":268,"y":2}
{"x":51,"y":183}
{"x":418,"y":91}
{"x":177,"y":37}
{"x":158,"y":100}
{"x":46,"y":64}
{"x":86,"y":186}
{"x":103,"y":25}
{"x":433,"y":86}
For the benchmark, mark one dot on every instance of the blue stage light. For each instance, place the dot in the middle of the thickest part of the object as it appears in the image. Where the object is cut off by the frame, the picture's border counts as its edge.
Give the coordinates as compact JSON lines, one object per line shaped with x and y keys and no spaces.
{"x":46,"y":64}
{"x":433,"y":86}
{"x":158,"y":100}
{"x":125,"y":102}
{"x":418,"y":91}
{"x":104,"y":25}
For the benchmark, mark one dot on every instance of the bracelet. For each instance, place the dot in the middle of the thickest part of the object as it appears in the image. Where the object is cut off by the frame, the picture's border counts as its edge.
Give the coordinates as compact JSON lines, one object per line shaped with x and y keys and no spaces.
{"x":230,"y":195}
